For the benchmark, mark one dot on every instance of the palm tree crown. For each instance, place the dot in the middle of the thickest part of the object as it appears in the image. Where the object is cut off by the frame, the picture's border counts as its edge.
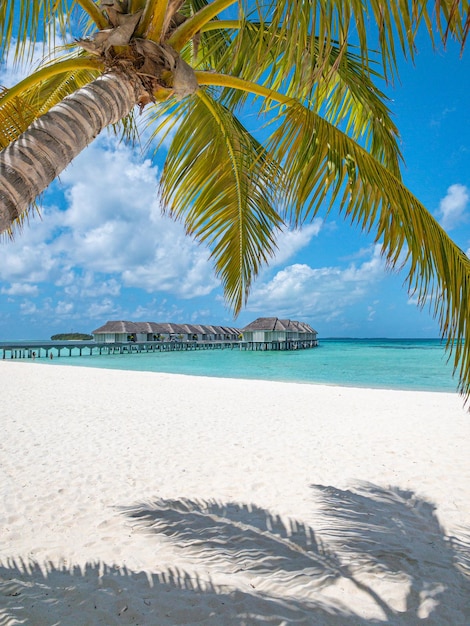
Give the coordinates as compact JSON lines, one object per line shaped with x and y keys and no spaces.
{"x":193,"y":65}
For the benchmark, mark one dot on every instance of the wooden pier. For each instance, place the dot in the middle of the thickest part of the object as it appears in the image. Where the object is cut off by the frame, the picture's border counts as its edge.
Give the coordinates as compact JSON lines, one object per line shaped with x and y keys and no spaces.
{"x":56,"y":349}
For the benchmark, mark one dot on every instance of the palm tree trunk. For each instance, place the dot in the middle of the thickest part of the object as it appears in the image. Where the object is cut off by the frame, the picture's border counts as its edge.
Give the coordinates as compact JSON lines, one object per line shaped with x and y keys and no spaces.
{"x":36,"y":158}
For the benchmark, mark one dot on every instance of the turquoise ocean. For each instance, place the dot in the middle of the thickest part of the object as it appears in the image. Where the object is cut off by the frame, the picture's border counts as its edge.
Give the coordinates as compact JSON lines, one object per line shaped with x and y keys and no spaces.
{"x":415,"y":364}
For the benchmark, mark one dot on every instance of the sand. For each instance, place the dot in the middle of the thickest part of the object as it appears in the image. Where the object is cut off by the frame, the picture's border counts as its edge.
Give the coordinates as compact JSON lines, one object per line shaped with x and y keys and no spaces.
{"x":144,"y":498}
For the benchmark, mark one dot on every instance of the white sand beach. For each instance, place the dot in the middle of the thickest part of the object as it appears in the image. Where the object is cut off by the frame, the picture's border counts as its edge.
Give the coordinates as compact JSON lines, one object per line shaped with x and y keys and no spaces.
{"x":142,"y":498}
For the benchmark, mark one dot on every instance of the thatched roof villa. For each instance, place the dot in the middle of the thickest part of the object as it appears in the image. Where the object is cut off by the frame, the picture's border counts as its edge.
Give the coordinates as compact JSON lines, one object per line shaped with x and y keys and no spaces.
{"x":120,"y":336}
{"x":123,"y":331}
{"x":273,"y":329}
{"x":265,"y":333}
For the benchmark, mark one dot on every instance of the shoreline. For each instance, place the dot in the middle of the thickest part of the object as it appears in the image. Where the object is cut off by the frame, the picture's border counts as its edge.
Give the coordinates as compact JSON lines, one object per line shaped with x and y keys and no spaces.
{"x":415,"y":365}
{"x":45,"y":362}
{"x":194,"y":500}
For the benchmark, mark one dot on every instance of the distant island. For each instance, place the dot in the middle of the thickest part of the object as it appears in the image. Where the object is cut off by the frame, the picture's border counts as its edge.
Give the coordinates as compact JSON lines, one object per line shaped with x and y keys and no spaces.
{"x":71,"y":337}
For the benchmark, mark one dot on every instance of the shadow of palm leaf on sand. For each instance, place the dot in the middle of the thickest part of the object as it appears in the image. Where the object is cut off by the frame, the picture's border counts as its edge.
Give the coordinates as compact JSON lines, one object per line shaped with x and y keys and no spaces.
{"x":384,"y":544}
{"x":99,"y":594}
{"x":367,"y":542}
{"x":395,"y":534}
{"x":249,"y":536}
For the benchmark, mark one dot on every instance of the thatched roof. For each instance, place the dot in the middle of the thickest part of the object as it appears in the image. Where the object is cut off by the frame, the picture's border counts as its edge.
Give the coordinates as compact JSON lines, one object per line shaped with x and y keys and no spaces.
{"x":167,"y":328}
{"x":276,"y":324}
{"x":117,"y":327}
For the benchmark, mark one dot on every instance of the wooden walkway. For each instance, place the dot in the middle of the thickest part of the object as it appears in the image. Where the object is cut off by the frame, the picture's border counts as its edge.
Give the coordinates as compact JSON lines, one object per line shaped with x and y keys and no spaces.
{"x":56,"y":349}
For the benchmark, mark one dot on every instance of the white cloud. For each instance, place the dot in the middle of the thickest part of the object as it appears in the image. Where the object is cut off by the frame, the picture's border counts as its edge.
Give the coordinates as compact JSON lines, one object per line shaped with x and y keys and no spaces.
{"x":112,"y":224}
{"x":155,"y":310}
{"x":302,"y":291}
{"x":291,"y":241}
{"x":28,"y":308}
{"x":26,"y":262}
{"x":63,"y":308}
{"x":452,"y":208}
{"x":20,"y":289}
{"x":371,"y":311}
{"x":104,"y":309}
{"x":414,"y":300}
{"x":13,"y":71}
{"x":115,"y":225}
{"x":31,"y":256}
{"x":89,"y":286}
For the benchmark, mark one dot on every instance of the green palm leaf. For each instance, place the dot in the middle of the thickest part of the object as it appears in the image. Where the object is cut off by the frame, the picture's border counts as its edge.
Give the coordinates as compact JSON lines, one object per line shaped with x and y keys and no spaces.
{"x":25,"y":24}
{"x":209,"y":46}
{"x":41,"y":90}
{"x":219,"y":180}
{"x":389,"y":25}
{"x":324,"y":167}
{"x":15,"y":117}
{"x":342,"y":90}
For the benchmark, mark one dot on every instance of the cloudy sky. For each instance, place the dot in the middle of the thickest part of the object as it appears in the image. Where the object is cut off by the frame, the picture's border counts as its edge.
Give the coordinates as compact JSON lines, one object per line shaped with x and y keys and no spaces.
{"x":101,"y":249}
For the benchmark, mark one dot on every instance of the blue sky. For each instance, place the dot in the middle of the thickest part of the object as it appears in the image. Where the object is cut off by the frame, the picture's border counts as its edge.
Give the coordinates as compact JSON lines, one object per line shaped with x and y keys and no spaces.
{"x":102,"y":251}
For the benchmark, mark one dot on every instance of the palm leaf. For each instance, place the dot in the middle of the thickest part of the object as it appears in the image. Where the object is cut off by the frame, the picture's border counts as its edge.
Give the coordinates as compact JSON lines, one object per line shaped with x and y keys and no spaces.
{"x":38,"y":93}
{"x":23,"y":24}
{"x":15,"y":117}
{"x":453,"y":19}
{"x":325,"y":167}
{"x":219,"y":180}
{"x":206,"y":48}
{"x":340,"y":89}
{"x":391,"y":25}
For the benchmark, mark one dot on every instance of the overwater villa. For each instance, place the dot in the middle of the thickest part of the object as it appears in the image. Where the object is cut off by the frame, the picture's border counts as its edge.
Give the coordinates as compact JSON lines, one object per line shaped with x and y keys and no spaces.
{"x":124,"y":337}
{"x":264,"y":333}
{"x":280,"y":334}
{"x":122,"y":331}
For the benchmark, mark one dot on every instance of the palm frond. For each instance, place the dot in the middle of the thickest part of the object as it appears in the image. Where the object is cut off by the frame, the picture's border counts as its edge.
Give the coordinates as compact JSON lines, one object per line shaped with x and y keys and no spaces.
{"x":196,"y":20}
{"x":43,"y":88}
{"x":219,"y":180}
{"x":153,"y":17}
{"x":24,"y":25}
{"x":208,"y":46}
{"x":15,"y":117}
{"x":389,"y":25}
{"x":288,"y":25}
{"x":325,"y":167}
{"x":453,"y":19}
{"x":341,"y":89}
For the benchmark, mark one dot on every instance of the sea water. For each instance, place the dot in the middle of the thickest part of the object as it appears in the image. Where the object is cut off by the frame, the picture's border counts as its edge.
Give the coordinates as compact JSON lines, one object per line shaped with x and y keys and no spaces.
{"x":415,"y":364}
